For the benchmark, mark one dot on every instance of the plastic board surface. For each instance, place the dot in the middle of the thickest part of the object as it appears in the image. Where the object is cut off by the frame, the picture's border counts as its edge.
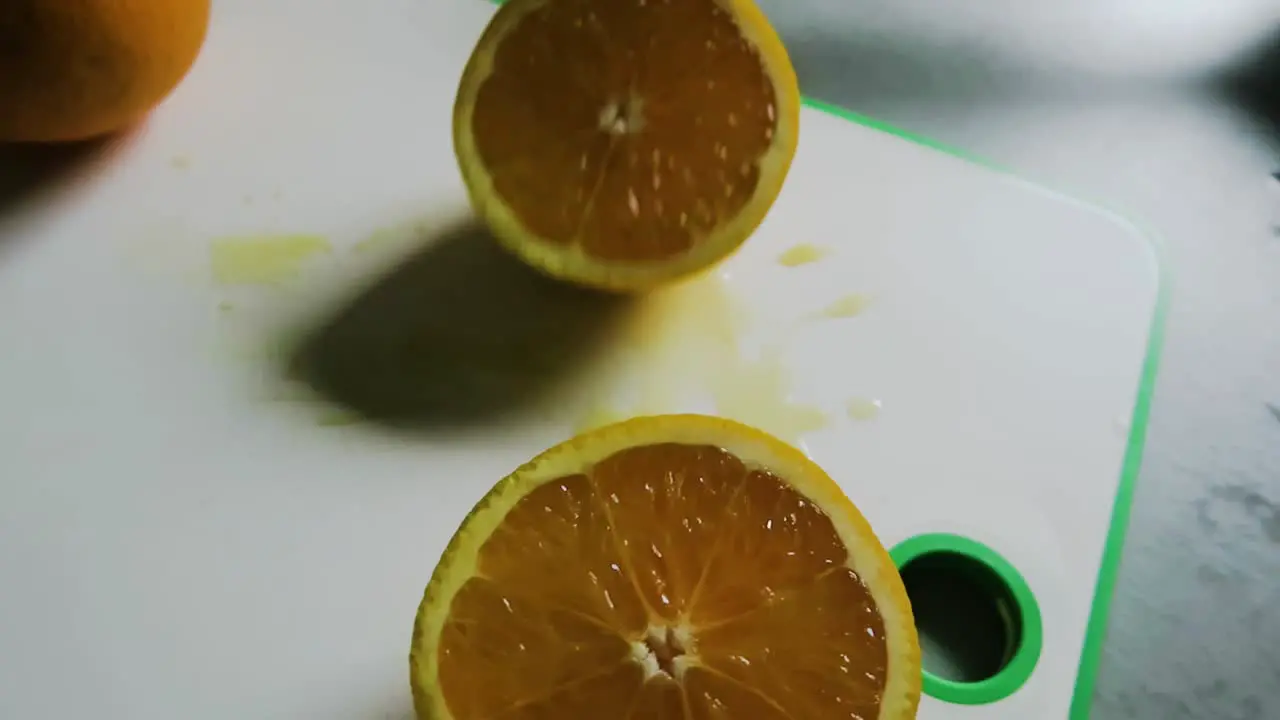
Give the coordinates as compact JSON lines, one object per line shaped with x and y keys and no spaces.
{"x":186,"y":533}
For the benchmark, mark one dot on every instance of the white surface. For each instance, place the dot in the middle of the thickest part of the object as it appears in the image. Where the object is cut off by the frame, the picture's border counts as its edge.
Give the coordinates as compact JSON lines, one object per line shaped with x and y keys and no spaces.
{"x":171,"y":546}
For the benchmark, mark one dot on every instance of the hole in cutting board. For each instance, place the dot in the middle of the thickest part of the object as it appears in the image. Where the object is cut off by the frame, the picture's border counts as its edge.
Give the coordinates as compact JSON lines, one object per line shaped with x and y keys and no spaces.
{"x":966,"y":615}
{"x":979,"y":623}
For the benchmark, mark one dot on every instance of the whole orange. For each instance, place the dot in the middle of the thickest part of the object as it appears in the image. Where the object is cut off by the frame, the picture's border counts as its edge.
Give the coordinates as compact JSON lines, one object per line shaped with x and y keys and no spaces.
{"x":76,"y":69}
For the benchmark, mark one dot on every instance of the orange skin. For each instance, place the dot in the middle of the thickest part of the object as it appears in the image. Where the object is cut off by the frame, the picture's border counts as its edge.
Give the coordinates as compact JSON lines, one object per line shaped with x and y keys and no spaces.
{"x":77,"y":69}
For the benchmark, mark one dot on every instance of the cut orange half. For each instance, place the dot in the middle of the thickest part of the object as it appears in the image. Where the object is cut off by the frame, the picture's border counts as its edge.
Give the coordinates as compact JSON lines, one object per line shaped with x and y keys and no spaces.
{"x":624,"y":144}
{"x":675,"y":567}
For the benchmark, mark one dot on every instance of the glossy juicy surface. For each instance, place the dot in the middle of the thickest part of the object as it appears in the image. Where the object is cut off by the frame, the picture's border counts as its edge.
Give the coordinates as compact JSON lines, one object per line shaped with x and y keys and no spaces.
{"x":629,"y":129}
{"x":670,"y":581}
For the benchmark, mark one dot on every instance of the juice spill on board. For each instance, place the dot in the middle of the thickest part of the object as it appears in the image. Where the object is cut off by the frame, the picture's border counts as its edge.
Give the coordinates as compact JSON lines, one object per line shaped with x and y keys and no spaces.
{"x":267,"y":262}
{"x":862,"y":409}
{"x":802,"y":254}
{"x":846,"y":307}
{"x":686,"y":342}
{"x":757,"y":393}
{"x":270,"y":260}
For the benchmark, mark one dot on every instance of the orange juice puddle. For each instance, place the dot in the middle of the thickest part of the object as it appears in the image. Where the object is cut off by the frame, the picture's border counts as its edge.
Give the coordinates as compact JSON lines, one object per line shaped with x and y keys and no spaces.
{"x":685,"y":342}
{"x":846,"y":307}
{"x":270,"y":260}
{"x":802,"y":254}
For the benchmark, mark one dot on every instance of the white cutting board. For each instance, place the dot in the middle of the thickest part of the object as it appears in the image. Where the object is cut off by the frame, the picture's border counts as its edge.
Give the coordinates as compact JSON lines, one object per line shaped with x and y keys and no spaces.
{"x":184,"y":534}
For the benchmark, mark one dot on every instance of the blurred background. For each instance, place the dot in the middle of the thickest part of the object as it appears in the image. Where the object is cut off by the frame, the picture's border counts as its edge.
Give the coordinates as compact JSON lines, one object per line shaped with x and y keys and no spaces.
{"x":1168,"y":111}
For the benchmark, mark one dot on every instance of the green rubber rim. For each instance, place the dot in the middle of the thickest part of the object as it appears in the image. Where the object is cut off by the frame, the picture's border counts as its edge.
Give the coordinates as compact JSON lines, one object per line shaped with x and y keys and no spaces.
{"x":1113,"y":549}
{"x":1029,"y":642}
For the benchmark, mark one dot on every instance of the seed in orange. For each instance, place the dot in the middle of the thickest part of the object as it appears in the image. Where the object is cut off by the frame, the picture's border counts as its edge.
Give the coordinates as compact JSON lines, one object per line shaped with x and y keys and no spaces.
{"x":627,"y":143}
{"x":75,"y":69}
{"x":675,"y":567}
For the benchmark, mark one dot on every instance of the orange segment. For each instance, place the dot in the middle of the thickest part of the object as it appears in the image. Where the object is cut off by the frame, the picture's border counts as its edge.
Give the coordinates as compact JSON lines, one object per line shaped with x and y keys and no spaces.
{"x":672,"y":567}
{"x":785,"y":539}
{"x":667,"y":525}
{"x":818,"y":628}
{"x":554,"y":537}
{"x":519,"y":644}
{"x":623,"y":144}
{"x":712,"y":695}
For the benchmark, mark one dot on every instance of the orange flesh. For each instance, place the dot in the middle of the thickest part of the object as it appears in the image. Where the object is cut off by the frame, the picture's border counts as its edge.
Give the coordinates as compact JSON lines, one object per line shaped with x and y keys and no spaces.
{"x":648,"y":118}
{"x":670,"y":582}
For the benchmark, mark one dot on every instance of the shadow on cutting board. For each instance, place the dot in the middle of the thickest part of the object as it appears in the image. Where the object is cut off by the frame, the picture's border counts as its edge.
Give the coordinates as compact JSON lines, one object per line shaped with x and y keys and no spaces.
{"x":458,"y":334}
{"x":1254,"y":83}
{"x":29,"y":173}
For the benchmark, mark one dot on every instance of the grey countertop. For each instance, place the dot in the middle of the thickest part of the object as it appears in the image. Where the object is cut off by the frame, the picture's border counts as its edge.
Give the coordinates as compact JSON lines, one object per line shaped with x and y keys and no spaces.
{"x":1170,"y":113}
